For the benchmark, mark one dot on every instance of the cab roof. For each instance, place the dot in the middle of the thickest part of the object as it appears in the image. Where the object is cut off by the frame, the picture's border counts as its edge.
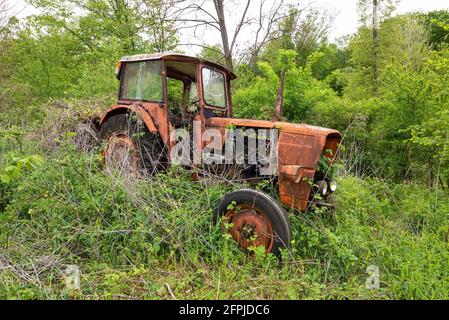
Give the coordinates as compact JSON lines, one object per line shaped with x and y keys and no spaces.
{"x":173,"y":56}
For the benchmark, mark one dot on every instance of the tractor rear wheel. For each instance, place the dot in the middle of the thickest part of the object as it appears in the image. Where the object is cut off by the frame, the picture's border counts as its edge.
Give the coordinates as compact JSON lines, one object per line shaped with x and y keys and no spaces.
{"x":255,"y":219}
{"x":131,"y":148}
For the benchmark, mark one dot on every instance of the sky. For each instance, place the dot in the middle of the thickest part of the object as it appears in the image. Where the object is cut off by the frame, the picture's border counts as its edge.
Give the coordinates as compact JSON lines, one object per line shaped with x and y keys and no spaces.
{"x":345,"y":21}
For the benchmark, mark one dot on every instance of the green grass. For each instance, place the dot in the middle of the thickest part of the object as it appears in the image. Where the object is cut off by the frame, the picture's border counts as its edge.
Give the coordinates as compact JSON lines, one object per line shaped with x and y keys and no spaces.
{"x":154,"y":239}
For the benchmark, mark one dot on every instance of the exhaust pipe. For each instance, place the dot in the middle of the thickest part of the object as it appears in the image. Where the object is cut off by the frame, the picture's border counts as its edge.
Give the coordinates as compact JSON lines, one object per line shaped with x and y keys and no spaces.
{"x":280,"y":98}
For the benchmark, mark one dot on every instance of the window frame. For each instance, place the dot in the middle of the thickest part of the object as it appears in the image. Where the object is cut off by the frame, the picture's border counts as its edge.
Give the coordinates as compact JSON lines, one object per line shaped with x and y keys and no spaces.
{"x":225,"y":88}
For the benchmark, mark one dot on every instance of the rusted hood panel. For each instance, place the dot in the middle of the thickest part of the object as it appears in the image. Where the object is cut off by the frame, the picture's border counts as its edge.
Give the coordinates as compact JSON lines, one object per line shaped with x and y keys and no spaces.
{"x":302,"y":129}
{"x":299,"y":149}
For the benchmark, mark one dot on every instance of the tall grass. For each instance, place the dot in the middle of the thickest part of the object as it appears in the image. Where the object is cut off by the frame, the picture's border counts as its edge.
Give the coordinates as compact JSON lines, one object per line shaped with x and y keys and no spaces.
{"x":154,"y":238}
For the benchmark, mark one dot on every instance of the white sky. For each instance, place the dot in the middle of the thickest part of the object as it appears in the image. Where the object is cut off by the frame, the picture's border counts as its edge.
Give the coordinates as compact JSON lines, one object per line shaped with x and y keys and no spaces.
{"x":345,"y":22}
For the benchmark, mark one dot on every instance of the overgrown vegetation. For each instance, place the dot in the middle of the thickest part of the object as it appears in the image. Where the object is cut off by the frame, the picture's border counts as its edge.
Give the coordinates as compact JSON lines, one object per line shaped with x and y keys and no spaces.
{"x":154,"y":239}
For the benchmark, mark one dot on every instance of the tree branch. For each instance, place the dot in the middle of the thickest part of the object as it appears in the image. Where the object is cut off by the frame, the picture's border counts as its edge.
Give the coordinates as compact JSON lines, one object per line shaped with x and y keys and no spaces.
{"x":239,"y":26}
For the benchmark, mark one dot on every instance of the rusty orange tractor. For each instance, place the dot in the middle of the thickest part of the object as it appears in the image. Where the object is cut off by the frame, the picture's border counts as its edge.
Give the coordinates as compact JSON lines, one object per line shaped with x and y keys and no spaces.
{"x":162,"y":93}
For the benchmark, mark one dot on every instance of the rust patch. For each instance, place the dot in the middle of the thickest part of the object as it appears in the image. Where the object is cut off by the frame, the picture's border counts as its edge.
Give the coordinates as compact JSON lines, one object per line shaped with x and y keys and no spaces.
{"x":295,"y":192}
{"x":250,"y":228}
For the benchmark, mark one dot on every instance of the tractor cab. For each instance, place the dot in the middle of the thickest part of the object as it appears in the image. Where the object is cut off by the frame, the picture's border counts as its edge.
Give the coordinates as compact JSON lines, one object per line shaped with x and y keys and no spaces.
{"x":183,"y":87}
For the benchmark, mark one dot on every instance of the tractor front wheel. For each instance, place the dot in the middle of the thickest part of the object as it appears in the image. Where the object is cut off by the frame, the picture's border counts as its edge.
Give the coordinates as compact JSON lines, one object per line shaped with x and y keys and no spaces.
{"x":254,"y":219}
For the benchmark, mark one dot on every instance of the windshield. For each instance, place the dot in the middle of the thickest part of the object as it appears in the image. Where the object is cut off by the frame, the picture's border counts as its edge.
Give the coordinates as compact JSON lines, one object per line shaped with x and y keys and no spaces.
{"x":214,"y":88}
{"x":142,"y":81}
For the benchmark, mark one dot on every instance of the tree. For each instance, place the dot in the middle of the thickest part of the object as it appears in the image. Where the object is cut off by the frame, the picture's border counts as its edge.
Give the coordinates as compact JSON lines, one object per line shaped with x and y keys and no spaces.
{"x":305,"y":98}
{"x":2,"y":12}
{"x":61,"y":54}
{"x":432,"y":132}
{"x":374,"y":11}
{"x":163,"y":29}
{"x":437,"y":25}
{"x":227,"y":49}
{"x":265,"y":15}
{"x":196,"y":15}
{"x":408,"y":96}
{"x":402,"y":40}
{"x":4,"y":44}
{"x":332,"y":58}
{"x":311,"y":33}
{"x":266,"y":32}
{"x":303,"y":30}
{"x":132,"y":23}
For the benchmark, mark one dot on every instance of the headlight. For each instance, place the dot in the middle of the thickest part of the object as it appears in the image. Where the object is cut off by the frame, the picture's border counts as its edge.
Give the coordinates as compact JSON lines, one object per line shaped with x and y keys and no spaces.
{"x":322,"y":187}
{"x":333,"y":186}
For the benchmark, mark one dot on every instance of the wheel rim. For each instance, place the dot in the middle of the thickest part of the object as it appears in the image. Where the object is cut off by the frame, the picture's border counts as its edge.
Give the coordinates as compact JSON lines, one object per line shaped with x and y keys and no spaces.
{"x":120,"y":154}
{"x":250,"y":228}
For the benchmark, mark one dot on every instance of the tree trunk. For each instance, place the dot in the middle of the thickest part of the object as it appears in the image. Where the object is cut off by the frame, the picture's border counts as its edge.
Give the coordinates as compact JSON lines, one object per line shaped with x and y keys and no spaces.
{"x":280,"y":98}
{"x":224,"y":33}
{"x":375,"y":72}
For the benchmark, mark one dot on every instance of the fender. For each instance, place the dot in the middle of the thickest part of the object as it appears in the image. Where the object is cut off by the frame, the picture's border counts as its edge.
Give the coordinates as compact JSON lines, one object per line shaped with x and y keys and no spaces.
{"x":143,"y":114}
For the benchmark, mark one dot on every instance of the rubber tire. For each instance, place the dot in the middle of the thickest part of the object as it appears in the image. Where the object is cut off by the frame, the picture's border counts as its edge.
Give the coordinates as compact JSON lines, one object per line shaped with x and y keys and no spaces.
{"x":263,"y":203}
{"x":152,"y":153}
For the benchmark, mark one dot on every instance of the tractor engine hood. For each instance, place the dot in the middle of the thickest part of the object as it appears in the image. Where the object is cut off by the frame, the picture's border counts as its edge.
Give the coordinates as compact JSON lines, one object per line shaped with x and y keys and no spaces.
{"x":265,"y":124}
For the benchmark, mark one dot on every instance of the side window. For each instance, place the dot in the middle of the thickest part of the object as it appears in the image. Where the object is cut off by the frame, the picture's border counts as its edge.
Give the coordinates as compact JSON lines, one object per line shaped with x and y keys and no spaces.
{"x":214,"y":90}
